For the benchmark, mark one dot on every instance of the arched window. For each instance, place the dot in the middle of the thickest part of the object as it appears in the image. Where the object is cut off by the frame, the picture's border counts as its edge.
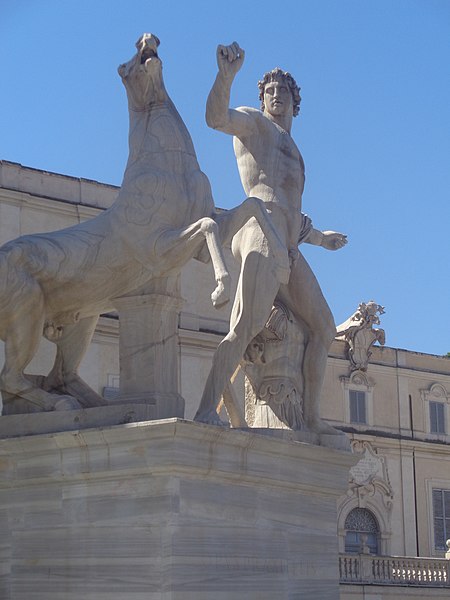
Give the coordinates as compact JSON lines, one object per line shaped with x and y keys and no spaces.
{"x":361,"y":530}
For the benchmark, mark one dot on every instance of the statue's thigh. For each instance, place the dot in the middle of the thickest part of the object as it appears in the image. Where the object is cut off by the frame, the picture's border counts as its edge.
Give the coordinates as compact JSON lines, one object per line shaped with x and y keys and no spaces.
{"x":303,"y":296}
{"x":255,"y":294}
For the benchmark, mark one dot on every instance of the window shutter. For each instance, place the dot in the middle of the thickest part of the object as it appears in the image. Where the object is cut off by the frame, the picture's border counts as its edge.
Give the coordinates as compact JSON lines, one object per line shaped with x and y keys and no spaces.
{"x":357,"y":406}
{"x":441,"y":515}
{"x":437,"y":417}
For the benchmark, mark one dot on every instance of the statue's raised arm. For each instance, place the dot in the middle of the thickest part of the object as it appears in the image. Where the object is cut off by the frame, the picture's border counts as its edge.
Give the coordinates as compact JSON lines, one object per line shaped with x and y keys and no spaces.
{"x":219,"y":115}
{"x":272,"y":171}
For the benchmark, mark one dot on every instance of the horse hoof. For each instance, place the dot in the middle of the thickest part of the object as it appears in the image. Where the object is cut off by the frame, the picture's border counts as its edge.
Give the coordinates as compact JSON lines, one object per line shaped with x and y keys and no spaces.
{"x":210,"y":418}
{"x":218,"y":302}
{"x":67,"y":403}
{"x":221,"y":295}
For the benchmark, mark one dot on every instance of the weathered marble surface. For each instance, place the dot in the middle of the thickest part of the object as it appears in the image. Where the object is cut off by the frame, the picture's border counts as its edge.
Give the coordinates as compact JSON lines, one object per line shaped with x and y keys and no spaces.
{"x":58,"y":283}
{"x":168,"y":510}
{"x":359,"y":333}
{"x":274,"y":384}
{"x":13,"y":426}
{"x":272,"y":169}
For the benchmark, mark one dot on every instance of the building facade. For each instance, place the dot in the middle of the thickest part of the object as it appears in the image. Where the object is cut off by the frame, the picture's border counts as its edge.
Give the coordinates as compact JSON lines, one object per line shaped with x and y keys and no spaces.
{"x":394,"y":521}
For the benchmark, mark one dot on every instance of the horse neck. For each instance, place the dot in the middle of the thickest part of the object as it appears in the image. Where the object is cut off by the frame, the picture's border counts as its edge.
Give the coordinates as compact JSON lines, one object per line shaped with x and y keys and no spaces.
{"x":141,"y":130}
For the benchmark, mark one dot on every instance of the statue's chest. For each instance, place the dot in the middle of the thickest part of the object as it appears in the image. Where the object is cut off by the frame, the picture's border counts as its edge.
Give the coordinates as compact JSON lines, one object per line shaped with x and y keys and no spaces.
{"x":288,"y":153}
{"x":285,"y":163}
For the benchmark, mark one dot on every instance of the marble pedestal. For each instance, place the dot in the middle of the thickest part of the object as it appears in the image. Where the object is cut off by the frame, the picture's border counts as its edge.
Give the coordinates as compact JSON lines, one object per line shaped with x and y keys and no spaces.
{"x":168,"y":510}
{"x":148,"y":351}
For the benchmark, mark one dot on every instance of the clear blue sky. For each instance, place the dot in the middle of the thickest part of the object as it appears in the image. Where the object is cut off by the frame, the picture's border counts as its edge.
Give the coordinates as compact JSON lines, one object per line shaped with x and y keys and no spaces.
{"x":374,"y":127}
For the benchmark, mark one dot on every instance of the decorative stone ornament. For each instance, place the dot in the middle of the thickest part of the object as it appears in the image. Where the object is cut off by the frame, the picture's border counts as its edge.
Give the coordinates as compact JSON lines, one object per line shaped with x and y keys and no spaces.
{"x":360,"y":335}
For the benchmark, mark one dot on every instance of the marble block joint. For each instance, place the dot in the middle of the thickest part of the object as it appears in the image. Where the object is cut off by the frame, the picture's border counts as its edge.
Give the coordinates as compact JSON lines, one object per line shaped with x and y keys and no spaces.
{"x":168,"y":510}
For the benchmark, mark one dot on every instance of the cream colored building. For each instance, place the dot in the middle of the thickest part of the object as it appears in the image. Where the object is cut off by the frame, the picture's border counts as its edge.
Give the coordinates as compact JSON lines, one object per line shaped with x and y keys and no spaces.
{"x":395,"y":518}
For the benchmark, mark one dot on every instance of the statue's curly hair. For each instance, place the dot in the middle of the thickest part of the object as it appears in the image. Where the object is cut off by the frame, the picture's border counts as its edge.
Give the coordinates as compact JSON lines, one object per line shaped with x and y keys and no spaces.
{"x":278,"y":73}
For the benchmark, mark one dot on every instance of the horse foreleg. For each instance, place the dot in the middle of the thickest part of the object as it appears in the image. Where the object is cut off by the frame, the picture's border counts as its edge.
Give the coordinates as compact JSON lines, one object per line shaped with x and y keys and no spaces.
{"x":231,"y":221}
{"x":176,"y":247}
{"x":221,"y":295}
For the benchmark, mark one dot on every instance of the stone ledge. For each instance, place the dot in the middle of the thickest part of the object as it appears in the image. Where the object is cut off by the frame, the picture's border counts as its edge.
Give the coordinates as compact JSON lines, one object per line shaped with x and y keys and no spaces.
{"x":176,"y":446}
{"x":31,"y":424}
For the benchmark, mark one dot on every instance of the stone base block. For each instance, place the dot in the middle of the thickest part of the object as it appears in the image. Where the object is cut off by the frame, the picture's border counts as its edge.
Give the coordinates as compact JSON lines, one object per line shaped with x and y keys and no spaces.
{"x":127,"y":410}
{"x":164,"y":405}
{"x":168,"y":510}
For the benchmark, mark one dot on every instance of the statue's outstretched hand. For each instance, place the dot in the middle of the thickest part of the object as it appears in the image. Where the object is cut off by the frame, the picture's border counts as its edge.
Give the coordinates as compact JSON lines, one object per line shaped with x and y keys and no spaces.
{"x":332,"y":240}
{"x":230,"y":59}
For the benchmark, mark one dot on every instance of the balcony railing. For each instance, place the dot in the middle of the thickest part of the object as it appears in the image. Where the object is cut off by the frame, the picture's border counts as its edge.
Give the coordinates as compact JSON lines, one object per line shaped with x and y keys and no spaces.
{"x":394,"y":570}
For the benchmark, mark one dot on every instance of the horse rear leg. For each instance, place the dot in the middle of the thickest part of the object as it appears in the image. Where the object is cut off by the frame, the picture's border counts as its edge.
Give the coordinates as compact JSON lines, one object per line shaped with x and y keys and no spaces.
{"x":71,"y":348}
{"x":21,"y":343}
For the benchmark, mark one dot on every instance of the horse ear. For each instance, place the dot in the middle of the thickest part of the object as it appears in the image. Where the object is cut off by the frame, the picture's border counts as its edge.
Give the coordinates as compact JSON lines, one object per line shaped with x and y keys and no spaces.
{"x":139,"y":42}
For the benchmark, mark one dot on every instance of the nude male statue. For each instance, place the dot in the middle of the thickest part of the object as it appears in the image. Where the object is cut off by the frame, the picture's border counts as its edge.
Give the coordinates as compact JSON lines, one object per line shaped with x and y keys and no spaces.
{"x":272,"y":169}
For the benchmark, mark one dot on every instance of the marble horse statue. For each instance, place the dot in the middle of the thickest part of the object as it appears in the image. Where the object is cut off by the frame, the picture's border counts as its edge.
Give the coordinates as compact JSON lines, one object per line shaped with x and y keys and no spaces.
{"x":57,"y":284}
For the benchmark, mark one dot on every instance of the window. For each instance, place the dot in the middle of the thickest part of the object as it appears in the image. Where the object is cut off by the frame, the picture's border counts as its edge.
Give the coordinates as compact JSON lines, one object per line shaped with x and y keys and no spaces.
{"x":437,"y":417}
{"x":358,"y":396}
{"x":441,"y":518}
{"x":361,"y":530}
{"x":436,"y":409}
{"x":357,"y":406}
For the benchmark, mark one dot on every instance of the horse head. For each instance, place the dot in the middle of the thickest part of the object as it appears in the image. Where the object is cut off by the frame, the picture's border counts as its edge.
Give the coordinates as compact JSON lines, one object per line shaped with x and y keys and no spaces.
{"x":142,"y":75}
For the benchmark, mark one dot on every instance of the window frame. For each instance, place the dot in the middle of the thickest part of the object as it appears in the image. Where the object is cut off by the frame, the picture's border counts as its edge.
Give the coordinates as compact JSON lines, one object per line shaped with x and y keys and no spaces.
{"x":358,"y":402}
{"x":432,"y":485}
{"x":375,"y":535}
{"x":358,"y":382}
{"x":441,"y":421}
{"x":445,"y":518}
{"x":436,"y":394}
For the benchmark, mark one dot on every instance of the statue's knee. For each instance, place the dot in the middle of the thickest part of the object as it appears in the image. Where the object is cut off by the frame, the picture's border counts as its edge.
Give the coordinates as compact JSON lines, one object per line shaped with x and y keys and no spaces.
{"x":329,"y":329}
{"x":324,"y":330}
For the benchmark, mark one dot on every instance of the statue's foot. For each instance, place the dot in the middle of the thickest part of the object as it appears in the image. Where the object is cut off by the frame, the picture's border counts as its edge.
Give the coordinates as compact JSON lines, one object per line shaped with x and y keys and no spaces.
{"x":210,"y":417}
{"x":37,"y":400}
{"x":329,"y":436}
{"x":320,"y":426}
{"x":221,"y":295}
{"x":27,"y":390}
{"x":85,"y":395}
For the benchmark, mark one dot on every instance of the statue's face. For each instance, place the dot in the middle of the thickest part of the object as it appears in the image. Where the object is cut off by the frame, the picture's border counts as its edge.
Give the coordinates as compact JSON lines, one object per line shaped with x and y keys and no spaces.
{"x":278,"y":99}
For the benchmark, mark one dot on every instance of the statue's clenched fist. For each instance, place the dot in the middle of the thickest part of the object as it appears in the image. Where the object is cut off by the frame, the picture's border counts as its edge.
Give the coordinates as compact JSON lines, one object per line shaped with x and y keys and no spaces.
{"x":230,"y":59}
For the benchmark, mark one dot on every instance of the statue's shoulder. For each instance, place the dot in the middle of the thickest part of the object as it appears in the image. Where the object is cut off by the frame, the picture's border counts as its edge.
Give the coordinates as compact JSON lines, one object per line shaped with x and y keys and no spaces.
{"x":254,"y":113}
{"x":255,"y":120}
{"x":249,"y":110}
